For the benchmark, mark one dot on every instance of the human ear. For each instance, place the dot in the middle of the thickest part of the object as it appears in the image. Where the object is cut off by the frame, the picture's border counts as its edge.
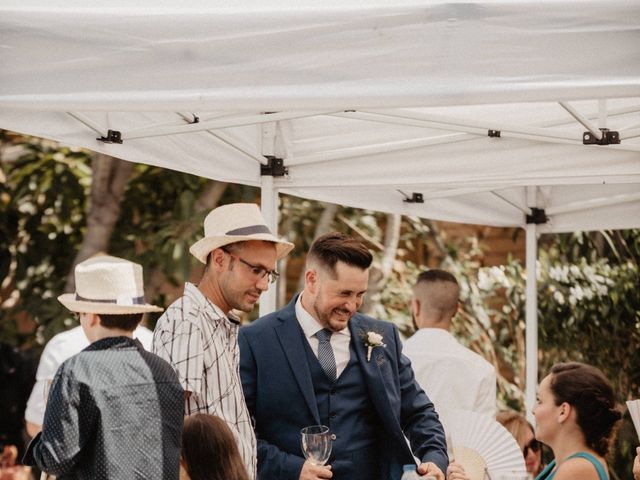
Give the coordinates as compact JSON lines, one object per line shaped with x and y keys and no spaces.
{"x":565,"y":412}
{"x":310,"y":281}
{"x":217,"y":259}
{"x":94,"y":319}
{"x":415,"y":308}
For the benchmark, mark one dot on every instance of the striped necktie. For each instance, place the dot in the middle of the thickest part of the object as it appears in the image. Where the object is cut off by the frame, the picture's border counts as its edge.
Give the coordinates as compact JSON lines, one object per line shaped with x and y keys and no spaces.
{"x":325,"y":354}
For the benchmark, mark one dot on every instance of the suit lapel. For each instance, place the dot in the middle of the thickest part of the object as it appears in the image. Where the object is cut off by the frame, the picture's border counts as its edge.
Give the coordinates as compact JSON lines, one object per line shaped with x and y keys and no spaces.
{"x":291,"y":338}
{"x":376,"y":384}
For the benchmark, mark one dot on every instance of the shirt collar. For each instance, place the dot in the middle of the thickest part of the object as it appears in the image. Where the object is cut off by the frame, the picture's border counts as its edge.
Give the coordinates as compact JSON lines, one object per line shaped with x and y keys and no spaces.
{"x":311,"y":326}
{"x":113,"y":343}
{"x":203,"y":301}
{"x":439,"y":333}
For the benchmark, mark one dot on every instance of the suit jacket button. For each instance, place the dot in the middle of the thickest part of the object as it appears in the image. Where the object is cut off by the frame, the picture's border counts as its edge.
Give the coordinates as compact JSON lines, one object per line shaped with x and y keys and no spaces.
{"x":333,"y":415}
{"x":333,"y":436}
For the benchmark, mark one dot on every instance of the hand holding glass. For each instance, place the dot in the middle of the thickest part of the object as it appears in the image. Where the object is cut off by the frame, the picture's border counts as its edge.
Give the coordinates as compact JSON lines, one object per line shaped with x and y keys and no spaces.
{"x":316,"y":444}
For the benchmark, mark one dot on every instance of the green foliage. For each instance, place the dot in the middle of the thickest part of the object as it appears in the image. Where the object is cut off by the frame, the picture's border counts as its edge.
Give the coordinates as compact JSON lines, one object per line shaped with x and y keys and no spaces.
{"x":42,"y":211}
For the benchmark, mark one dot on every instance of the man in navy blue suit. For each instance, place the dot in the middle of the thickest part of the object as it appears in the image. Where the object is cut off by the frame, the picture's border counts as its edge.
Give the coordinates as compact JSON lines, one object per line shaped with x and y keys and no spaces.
{"x":317,"y":361}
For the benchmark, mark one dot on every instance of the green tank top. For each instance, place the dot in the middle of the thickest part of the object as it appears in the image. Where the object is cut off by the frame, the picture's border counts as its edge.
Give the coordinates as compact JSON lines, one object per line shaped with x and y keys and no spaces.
{"x":549,"y":472}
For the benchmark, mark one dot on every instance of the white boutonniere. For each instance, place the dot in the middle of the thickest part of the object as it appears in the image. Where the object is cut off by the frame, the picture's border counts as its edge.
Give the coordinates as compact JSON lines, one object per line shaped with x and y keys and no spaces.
{"x":372,"y":340}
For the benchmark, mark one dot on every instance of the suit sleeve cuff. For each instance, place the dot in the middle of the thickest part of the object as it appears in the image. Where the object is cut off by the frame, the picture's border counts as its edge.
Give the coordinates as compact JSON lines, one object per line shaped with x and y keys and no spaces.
{"x":294,"y":467}
{"x":29,"y":457}
{"x":442,"y":461}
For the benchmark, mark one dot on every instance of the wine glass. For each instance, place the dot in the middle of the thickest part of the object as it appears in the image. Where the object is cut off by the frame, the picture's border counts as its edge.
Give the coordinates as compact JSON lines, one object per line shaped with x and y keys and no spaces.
{"x":316,"y":444}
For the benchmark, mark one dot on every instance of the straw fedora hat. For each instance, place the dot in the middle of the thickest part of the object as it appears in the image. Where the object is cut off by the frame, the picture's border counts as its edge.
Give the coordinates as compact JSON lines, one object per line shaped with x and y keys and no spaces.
{"x":109,"y":286}
{"x":236,"y":222}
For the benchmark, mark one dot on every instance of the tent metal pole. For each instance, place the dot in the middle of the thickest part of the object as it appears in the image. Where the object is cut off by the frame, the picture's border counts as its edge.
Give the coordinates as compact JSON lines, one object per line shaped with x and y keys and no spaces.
{"x":226,"y":122}
{"x":531,"y":313}
{"x":633,"y":133}
{"x":379,"y":148}
{"x":461,"y":124}
{"x":593,"y":203}
{"x":99,"y":129}
{"x":269,"y":206}
{"x":582,"y":119}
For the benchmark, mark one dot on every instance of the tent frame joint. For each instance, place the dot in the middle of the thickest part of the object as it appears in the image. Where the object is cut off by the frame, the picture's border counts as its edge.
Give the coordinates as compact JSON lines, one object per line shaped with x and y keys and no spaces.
{"x":113,"y":136}
{"x":415,"y":197}
{"x":274,"y":167}
{"x":609,"y":137}
{"x":537,"y":216}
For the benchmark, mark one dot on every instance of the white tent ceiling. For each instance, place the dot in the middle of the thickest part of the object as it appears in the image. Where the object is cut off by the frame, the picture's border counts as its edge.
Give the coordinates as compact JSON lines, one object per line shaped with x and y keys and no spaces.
{"x":375,"y":100}
{"x":366,"y":101}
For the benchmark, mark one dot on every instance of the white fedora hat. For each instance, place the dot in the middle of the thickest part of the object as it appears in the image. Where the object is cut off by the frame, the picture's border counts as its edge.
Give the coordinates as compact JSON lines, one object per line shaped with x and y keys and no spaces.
{"x":236,"y":222}
{"x":108,"y":285}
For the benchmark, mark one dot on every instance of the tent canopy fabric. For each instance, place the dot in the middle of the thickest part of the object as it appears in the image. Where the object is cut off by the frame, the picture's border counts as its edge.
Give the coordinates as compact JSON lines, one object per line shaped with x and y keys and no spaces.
{"x":367,"y":102}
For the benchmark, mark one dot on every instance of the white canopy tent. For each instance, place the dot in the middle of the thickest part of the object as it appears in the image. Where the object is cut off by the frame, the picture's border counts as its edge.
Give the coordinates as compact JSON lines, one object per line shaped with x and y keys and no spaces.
{"x":462,"y":111}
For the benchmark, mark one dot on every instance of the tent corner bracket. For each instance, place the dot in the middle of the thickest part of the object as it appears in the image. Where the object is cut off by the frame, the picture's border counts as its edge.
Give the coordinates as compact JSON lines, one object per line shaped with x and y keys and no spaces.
{"x":609,"y":137}
{"x":274,"y":167}
{"x":113,"y":136}
{"x":414,"y":198}
{"x":537,"y":216}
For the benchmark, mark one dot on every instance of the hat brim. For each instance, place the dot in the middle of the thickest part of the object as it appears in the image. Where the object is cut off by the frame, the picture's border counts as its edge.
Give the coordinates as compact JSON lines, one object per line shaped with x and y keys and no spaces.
{"x":205,"y":245}
{"x":80,"y":306}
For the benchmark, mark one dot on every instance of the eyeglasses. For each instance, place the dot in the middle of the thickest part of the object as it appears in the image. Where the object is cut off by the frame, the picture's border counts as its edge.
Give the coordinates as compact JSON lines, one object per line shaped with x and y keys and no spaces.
{"x":257,"y":270}
{"x":533,"y":445}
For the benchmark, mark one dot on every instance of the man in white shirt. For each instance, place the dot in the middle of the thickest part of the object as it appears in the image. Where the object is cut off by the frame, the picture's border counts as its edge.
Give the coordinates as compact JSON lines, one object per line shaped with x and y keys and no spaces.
{"x":62,"y":346}
{"x":452,"y":375}
{"x":198,"y":333}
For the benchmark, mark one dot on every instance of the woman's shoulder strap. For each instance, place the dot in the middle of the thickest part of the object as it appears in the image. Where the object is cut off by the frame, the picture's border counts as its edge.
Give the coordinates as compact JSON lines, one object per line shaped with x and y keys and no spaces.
{"x":602,"y":474}
{"x":547,"y":473}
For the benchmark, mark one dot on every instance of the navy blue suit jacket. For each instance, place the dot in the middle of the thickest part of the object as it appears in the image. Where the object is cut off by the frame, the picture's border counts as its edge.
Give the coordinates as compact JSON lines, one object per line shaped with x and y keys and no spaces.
{"x":279,"y":393}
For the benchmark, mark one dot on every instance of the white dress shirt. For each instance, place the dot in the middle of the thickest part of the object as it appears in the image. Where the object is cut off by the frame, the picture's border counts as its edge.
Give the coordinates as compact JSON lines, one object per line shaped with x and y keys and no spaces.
{"x":339,"y":340}
{"x":451,"y":375}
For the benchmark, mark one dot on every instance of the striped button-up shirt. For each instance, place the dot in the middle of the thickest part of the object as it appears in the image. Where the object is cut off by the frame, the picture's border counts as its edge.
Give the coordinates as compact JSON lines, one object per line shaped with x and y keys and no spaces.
{"x":201,"y":342}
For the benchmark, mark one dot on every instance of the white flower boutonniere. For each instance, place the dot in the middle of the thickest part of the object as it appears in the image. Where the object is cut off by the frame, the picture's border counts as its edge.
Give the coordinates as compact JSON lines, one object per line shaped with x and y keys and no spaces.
{"x":372,"y":340}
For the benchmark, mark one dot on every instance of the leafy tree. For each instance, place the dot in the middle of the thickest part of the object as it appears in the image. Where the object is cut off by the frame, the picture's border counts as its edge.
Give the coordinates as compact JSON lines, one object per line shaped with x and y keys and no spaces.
{"x":43,"y":219}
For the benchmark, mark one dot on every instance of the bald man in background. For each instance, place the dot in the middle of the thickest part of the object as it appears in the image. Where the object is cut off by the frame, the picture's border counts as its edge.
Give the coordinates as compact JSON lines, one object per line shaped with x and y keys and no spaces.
{"x":453,"y":376}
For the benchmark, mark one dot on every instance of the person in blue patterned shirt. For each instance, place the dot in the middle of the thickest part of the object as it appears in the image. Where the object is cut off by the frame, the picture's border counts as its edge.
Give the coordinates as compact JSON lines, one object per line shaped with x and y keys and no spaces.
{"x":115,"y":411}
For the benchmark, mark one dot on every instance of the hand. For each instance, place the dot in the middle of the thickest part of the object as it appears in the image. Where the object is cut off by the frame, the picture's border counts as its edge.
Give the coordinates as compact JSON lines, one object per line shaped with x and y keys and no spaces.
{"x":636,"y":465}
{"x":315,"y":472}
{"x":455,"y":471}
{"x":430,"y":468}
{"x":17,"y":472}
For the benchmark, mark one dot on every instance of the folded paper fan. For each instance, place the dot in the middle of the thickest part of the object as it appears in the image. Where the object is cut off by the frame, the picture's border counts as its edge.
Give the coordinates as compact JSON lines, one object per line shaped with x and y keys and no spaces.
{"x":480,"y":443}
{"x":634,"y":411}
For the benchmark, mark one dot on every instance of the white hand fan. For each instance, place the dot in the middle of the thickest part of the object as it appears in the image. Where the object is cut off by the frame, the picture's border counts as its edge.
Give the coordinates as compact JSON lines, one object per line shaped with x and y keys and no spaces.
{"x":634,"y":411}
{"x":480,"y":443}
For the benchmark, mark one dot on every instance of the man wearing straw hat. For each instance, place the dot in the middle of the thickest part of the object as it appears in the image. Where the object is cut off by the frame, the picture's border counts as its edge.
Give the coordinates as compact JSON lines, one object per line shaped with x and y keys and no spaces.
{"x":114,"y":410}
{"x":198,"y":333}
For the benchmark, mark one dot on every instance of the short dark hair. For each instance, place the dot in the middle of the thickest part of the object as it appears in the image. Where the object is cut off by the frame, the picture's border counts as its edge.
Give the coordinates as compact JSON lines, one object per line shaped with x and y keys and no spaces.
{"x":209,"y":449}
{"x":586,"y":389}
{"x":335,"y":247}
{"x":435,"y":275}
{"x":128,"y":321}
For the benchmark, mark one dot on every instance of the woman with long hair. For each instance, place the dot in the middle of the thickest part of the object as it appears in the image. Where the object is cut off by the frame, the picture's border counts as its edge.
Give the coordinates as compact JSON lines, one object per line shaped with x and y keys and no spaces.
{"x":575,"y":415}
{"x":524,"y":434}
{"x":209,"y":450}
